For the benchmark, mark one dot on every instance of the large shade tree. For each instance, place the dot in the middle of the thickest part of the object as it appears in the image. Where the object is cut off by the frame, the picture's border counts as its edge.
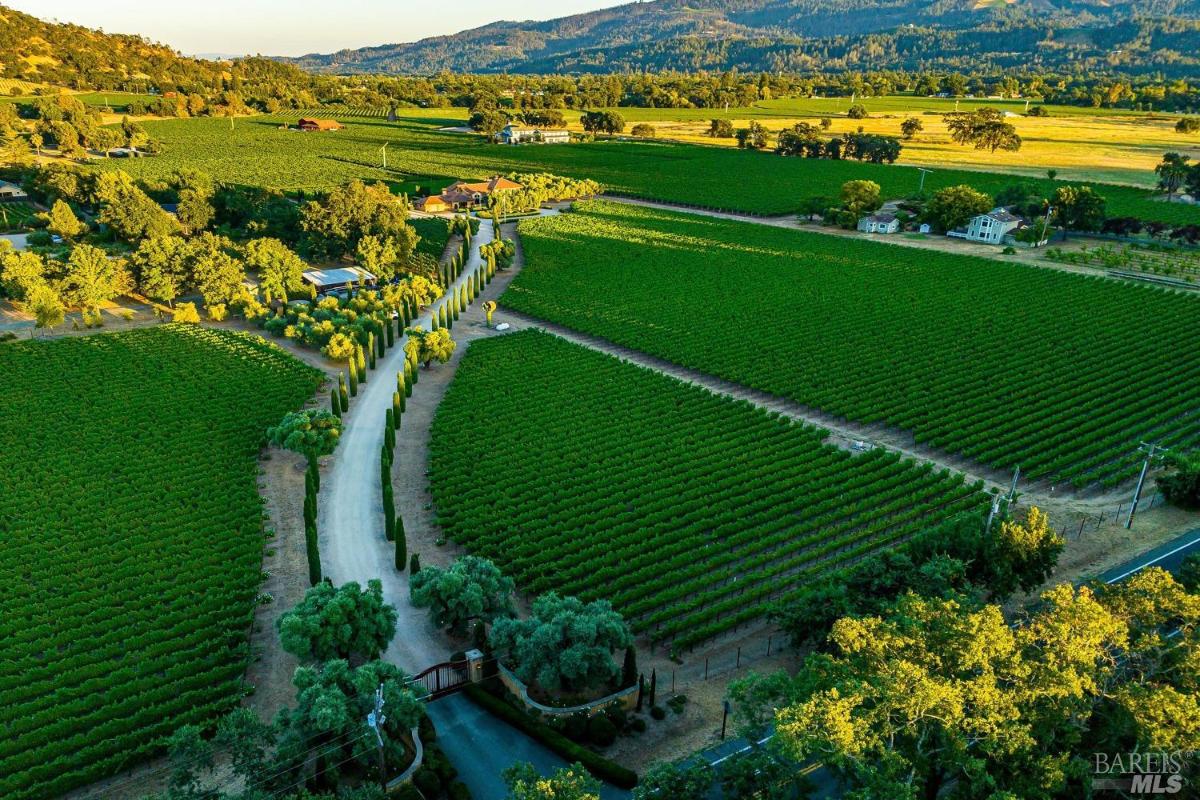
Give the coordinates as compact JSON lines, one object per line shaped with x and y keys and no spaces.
{"x":348,"y":622}
{"x":565,"y":644}
{"x":472,"y":588}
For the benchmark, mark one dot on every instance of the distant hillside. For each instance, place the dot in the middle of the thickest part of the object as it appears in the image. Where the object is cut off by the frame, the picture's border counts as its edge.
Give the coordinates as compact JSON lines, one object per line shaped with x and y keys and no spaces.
{"x":809,"y":34}
{"x":81,"y":58}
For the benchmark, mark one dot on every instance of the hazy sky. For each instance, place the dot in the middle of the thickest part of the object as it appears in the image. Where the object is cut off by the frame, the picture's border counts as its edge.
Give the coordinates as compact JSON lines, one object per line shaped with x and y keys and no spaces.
{"x":293,"y":27}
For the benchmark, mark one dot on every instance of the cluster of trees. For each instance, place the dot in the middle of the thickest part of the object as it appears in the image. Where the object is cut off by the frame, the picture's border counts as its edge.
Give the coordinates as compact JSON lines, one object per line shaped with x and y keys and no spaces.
{"x":940,"y":695}
{"x":321,"y":747}
{"x":602,"y":122}
{"x":1177,"y":172}
{"x":984,"y":128}
{"x":804,"y":139}
{"x":538,"y":188}
{"x":62,"y":122}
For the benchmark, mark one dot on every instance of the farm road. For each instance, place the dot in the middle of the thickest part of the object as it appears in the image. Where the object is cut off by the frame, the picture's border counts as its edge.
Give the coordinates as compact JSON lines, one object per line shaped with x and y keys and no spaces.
{"x":350,"y":505}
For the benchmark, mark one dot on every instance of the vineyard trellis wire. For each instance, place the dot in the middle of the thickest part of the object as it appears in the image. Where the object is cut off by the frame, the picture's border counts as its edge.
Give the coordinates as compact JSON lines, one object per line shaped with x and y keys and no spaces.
{"x":150,"y":438}
{"x":1001,"y":363}
{"x":690,"y":512}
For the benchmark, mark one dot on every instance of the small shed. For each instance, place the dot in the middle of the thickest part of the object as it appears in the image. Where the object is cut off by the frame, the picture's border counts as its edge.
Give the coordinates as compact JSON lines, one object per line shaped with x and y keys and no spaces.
{"x":326,"y":280}
{"x":308,"y":124}
{"x":11,"y":191}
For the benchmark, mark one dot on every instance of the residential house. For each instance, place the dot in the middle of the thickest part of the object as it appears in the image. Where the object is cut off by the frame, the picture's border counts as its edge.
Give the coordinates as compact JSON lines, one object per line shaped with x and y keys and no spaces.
{"x":882,"y":222}
{"x":990,"y":228}
{"x":513,"y":134}
{"x":463,"y":194}
{"x":306,"y":124}
{"x":11,"y":191}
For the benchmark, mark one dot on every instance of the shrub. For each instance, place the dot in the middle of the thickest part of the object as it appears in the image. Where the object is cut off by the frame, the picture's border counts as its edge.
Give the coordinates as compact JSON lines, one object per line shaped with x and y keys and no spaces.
{"x":426,"y":780}
{"x":407,"y":792}
{"x":644,"y":130}
{"x":186,"y":312}
{"x":601,"y":732}
{"x":857,"y":111}
{"x":459,"y":791}
{"x":658,"y":712}
{"x":638,"y":724}
{"x":217,"y":312}
{"x":1009,"y":251}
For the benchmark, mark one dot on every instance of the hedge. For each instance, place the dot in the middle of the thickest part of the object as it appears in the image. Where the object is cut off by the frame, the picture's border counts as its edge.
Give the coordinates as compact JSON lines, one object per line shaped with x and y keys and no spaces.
{"x":598,"y":765}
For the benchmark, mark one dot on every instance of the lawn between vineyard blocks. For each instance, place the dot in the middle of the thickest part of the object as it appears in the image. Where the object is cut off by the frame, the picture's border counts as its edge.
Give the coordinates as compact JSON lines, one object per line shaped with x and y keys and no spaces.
{"x":689,"y":511}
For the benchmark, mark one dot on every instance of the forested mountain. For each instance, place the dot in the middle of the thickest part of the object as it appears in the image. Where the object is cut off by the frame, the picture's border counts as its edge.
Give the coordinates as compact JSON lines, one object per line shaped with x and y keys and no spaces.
{"x":60,"y":54}
{"x":774,"y":35}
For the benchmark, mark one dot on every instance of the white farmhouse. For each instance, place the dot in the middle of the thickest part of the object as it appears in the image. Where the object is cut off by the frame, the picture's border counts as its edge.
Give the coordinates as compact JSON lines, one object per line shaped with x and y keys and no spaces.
{"x":513,"y":134}
{"x":879,"y":223}
{"x":990,"y":228}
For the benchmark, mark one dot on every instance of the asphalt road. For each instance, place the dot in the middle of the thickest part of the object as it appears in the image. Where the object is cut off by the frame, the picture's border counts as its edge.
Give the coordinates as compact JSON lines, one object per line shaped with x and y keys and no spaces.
{"x":481,"y":747}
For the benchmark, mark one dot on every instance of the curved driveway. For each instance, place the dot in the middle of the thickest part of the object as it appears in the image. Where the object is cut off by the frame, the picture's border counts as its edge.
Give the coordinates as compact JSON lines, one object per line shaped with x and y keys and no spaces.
{"x":350,"y":504}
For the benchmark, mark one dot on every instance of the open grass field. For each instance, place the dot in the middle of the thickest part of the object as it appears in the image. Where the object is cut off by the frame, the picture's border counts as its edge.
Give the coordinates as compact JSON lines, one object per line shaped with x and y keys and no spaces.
{"x":1005,"y":364}
{"x":131,"y":541}
{"x":1085,"y":144}
{"x":688,"y":511}
{"x":257,"y":151}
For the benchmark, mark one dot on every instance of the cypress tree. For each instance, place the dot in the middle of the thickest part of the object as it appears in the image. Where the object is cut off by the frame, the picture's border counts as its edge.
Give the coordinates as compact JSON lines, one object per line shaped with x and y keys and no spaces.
{"x":379,"y":349}
{"x":371,"y":349}
{"x":641,"y":684}
{"x":334,"y":403}
{"x":414,"y":564}
{"x":653,"y":685}
{"x":445,"y":317}
{"x":391,"y":336}
{"x":413,"y":374}
{"x":397,"y":407}
{"x":629,"y":669}
{"x":314,"y":554}
{"x":360,"y":357}
{"x":455,"y":302}
{"x":314,"y":472}
{"x":433,"y":321}
{"x":389,"y":427}
{"x":389,"y":512}
{"x":343,"y":392}
{"x":353,"y":379}
{"x":401,"y":545}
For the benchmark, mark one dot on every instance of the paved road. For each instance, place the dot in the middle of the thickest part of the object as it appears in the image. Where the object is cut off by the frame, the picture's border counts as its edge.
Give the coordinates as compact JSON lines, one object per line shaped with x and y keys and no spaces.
{"x":350,"y":505}
{"x":481,"y":747}
{"x":1169,"y":556}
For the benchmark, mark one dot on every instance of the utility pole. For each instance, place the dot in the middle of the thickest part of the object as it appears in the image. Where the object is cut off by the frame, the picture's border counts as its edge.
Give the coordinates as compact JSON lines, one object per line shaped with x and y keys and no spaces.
{"x":1012,"y":490}
{"x":1150,"y":450}
{"x":383,"y":150}
{"x":375,"y":720}
{"x":924,"y":172}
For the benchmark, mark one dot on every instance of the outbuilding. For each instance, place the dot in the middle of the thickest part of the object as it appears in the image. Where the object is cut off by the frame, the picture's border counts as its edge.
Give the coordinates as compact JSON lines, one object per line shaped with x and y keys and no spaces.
{"x":307,"y":124}
{"x":326,"y":280}
{"x":11,"y":191}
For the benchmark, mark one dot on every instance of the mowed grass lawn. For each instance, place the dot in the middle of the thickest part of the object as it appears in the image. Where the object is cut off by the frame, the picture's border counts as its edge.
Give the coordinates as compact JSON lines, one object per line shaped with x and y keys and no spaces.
{"x":258,"y":151}
{"x":131,"y":541}
{"x":1006,"y":364}
{"x":688,"y":511}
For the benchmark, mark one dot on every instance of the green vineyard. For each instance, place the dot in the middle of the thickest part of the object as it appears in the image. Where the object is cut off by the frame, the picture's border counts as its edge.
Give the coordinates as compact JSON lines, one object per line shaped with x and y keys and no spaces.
{"x":16,"y":216}
{"x":256,"y":151}
{"x":1005,"y":364}
{"x":131,"y":541}
{"x":689,"y":511}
